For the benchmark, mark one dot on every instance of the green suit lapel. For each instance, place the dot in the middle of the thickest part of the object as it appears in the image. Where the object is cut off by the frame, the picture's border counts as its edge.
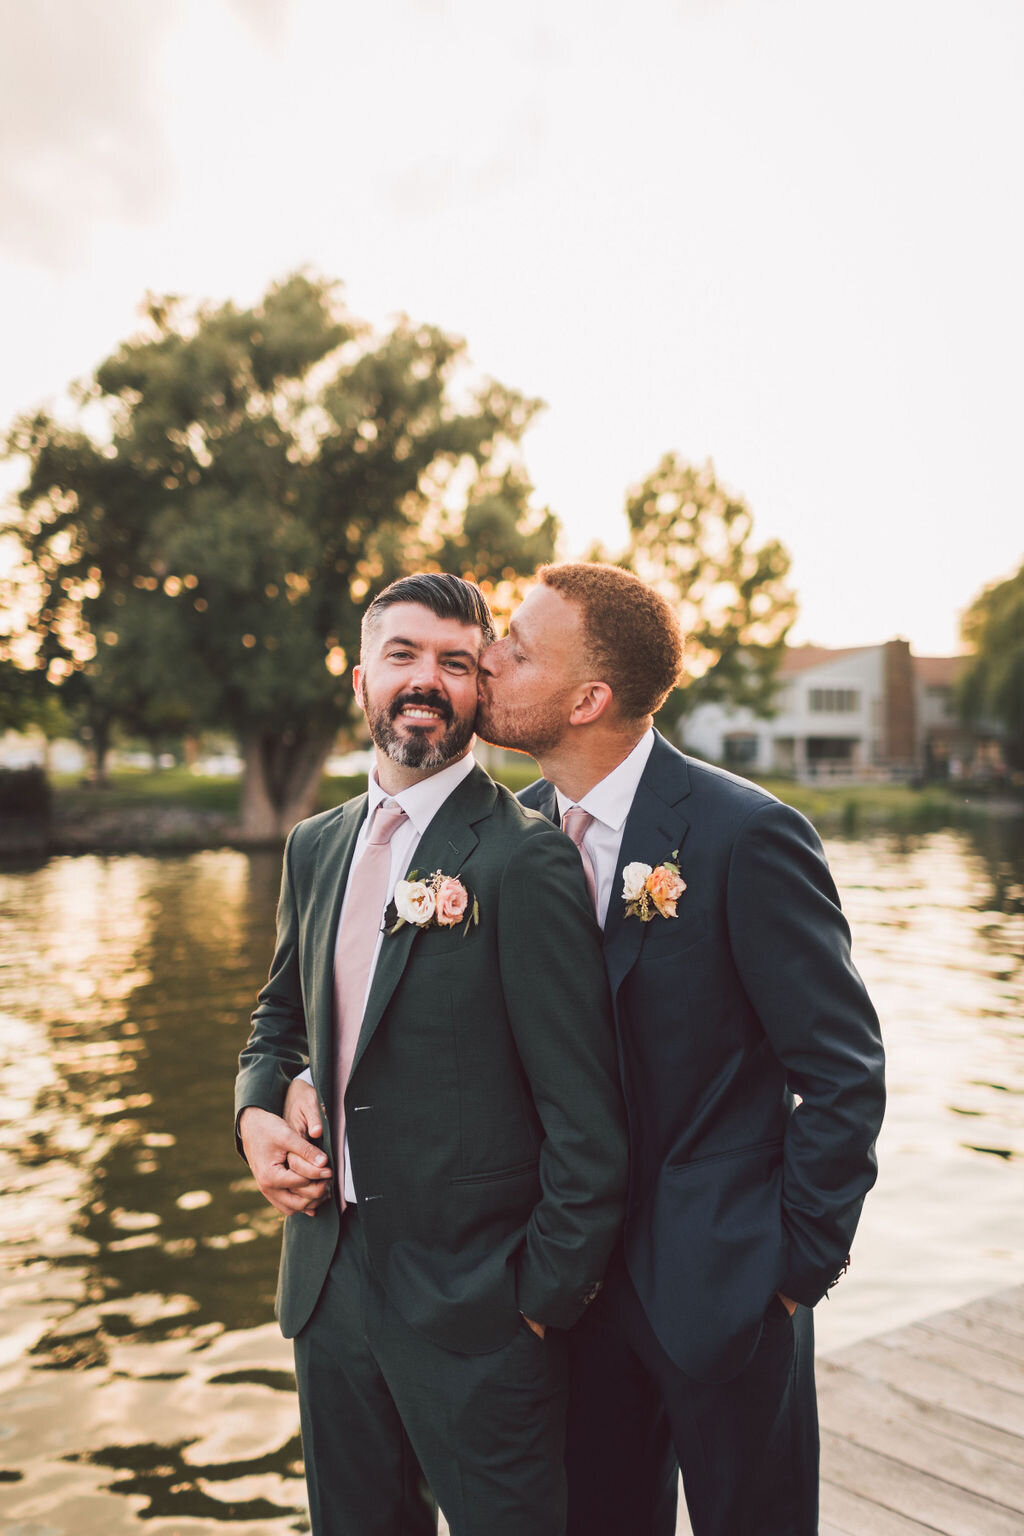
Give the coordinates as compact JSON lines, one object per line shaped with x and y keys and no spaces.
{"x":333,"y":861}
{"x":445,"y":845}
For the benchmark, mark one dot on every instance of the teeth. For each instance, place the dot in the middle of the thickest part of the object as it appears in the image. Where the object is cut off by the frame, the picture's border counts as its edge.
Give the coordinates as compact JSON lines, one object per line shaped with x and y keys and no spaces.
{"x":422,"y":714}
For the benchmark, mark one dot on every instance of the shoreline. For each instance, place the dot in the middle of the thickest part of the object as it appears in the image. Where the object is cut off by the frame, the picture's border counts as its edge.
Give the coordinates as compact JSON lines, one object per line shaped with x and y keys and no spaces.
{"x":167,"y":814}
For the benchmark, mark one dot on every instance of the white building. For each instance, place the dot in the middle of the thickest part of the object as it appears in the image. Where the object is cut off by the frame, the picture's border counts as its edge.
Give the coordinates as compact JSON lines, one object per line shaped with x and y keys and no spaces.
{"x":873,"y":711}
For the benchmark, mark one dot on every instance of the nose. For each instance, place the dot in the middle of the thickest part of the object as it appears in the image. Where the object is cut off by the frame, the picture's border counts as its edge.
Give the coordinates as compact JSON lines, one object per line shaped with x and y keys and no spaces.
{"x":489,"y":659}
{"x":426,"y":674}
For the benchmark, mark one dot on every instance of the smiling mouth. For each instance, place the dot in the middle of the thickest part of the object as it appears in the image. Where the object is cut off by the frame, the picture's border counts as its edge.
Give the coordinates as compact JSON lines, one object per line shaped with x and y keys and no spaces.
{"x":418,"y":714}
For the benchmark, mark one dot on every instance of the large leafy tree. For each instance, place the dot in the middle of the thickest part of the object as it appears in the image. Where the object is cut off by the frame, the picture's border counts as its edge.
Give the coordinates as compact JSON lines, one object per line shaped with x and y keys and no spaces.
{"x":205,"y":536}
{"x":992,"y":683}
{"x":693,"y":540}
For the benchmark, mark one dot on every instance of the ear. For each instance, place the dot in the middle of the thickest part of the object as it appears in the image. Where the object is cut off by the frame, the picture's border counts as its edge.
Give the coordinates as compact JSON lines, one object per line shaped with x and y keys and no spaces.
{"x":591,"y":703}
{"x":357,"y":686}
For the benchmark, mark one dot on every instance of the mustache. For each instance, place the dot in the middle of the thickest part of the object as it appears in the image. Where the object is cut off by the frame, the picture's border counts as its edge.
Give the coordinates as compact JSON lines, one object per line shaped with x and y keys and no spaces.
{"x":430,"y":700}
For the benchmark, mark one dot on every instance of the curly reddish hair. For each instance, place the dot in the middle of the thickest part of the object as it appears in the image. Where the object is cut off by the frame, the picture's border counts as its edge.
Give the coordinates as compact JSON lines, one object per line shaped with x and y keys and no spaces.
{"x":633,"y":637}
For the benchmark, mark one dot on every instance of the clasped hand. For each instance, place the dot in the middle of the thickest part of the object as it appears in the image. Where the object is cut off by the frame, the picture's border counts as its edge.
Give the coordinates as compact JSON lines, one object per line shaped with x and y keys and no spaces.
{"x":292,"y":1174}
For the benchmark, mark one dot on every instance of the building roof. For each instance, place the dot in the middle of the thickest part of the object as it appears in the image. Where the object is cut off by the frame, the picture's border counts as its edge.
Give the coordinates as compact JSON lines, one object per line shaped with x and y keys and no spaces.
{"x":799,"y":658}
{"x":938,"y":671}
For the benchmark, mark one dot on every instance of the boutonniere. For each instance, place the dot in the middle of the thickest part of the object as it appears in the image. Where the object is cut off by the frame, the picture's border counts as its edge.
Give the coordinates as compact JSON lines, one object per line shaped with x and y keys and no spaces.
{"x":646,"y":890}
{"x":439,"y":901}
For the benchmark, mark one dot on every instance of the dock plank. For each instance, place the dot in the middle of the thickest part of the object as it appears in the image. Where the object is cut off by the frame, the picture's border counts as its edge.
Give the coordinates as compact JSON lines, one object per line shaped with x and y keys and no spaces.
{"x":992,"y":1309}
{"x":970,"y":1359}
{"x":933,"y":1383}
{"x":891,"y":1484}
{"x":856,"y":1410}
{"x":852,"y":1515}
{"x":922,"y":1428}
{"x":889,"y":1403}
{"x":975,"y":1330}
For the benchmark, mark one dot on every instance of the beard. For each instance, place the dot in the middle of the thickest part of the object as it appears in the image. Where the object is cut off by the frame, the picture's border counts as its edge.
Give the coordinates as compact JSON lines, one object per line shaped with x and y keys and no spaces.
{"x":415,"y":749}
{"x":533,"y":730}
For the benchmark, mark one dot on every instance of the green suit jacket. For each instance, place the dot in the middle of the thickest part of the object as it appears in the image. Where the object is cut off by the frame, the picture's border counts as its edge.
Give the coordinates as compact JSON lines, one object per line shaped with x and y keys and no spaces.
{"x":484,"y":1113}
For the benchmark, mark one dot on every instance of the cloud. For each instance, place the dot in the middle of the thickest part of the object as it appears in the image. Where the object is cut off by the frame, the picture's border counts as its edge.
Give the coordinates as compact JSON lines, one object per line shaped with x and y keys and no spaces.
{"x":80,"y":132}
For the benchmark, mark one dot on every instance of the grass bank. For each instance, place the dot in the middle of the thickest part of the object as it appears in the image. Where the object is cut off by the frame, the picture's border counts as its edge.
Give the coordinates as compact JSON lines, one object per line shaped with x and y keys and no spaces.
{"x":173,"y":809}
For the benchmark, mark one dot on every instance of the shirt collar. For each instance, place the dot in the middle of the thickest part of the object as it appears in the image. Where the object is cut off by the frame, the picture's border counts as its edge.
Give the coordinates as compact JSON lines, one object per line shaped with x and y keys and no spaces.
{"x":609,"y":801}
{"x":422,"y":800}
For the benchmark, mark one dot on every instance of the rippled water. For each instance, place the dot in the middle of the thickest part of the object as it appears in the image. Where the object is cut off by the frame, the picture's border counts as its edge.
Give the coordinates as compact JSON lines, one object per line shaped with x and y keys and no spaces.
{"x":141,"y":1375}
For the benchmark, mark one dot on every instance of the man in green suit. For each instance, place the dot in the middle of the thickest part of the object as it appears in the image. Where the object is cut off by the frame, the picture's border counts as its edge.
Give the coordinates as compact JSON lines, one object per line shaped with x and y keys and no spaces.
{"x":470,"y":1109}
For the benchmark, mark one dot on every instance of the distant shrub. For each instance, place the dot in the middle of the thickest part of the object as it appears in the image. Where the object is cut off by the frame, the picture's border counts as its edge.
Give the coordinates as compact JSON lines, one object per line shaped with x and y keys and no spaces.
{"x":24,"y":792}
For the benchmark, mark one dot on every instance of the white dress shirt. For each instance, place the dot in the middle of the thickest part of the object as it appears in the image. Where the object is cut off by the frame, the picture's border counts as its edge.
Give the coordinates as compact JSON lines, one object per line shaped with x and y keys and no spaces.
{"x":421,"y":803}
{"x":609,"y":803}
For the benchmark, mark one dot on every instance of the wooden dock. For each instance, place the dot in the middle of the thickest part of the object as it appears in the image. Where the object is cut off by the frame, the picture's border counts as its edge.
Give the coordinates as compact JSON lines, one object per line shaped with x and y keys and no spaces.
{"x":922,"y":1429}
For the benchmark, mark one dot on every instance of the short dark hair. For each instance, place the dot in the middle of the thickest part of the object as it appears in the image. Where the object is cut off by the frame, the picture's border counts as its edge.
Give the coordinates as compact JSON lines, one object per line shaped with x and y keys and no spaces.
{"x":632,"y":634}
{"x":450,"y":597}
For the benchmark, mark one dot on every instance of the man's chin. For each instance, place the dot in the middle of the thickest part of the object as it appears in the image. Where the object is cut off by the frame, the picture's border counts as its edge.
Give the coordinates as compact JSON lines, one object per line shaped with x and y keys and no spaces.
{"x":494,"y":737}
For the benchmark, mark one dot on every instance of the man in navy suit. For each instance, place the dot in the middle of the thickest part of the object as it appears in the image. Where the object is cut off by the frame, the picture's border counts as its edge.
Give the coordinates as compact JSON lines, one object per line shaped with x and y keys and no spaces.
{"x":751,"y":1062}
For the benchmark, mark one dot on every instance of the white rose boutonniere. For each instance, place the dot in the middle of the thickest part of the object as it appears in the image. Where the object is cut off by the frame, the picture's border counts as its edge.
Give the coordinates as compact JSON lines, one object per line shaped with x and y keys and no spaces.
{"x":439,"y":901}
{"x":648,"y":891}
{"x":634,"y":879}
{"x":414,"y":902}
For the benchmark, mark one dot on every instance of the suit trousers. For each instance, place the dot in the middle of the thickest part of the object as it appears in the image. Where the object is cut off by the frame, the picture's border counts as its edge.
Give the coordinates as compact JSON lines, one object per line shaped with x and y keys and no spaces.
{"x":747,"y":1448}
{"x":391,"y":1421}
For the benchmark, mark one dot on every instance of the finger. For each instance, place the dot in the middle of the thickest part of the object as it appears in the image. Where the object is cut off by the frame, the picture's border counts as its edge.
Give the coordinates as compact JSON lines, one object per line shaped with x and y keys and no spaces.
{"x":303,"y":1116}
{"x":316,"y":1172}
{"x":295,"y":1202}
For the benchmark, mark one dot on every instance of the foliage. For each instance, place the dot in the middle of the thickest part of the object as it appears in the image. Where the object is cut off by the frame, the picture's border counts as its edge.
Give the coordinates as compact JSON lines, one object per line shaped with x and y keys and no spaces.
{"x":201,"y":543}
{"x":692,"y":539}
{"x":28,"y":702}
{"x":992,"y":684}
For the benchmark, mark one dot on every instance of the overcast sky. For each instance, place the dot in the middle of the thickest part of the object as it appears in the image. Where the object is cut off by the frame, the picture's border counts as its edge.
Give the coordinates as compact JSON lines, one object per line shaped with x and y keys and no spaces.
{"x":783,"y":234}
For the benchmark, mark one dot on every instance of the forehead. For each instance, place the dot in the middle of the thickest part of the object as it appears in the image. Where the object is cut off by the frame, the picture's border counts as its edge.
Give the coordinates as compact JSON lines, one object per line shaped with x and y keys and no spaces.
{"x":545,"y":615}
{"x":422,"y":628}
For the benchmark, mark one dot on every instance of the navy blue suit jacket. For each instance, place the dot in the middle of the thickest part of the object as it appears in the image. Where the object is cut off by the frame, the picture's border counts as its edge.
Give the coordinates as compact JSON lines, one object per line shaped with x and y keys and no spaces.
{"x":751,"y":1062}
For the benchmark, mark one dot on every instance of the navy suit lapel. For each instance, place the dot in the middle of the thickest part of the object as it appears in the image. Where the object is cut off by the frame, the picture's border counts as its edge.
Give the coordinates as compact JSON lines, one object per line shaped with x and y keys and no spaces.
{"x":653,"y":832}
{"x":547,"y":802}
{"x":655,"y":828}
{"x":446,"y":845}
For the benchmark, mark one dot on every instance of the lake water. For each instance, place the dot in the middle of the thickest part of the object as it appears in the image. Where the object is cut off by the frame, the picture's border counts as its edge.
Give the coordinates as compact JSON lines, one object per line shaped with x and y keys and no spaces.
{"x":142,"y":1378}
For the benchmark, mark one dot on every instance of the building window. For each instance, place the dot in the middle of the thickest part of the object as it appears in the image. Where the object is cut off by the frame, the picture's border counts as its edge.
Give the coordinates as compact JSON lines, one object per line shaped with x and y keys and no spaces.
{"x":943,"y":695}
{"x":740,"y":751}
{"x":834,"y":701}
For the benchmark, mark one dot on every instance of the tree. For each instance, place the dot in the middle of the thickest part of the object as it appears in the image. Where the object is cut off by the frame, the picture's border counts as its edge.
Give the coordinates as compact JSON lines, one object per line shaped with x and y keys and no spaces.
{"x":204,"y":538}
{"x":28,"y":702}
{"x":992,"y":683}
{"x":692,"y":539}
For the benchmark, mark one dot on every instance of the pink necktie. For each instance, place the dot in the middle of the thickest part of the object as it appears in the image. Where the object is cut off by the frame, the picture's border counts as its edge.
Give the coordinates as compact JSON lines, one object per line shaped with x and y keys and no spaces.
{"x":365,"y":900}
{"x":575,"y":823}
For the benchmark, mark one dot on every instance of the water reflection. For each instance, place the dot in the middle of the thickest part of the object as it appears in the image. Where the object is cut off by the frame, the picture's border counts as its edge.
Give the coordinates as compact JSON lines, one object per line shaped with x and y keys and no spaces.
{"x":139,"y":1260}
{"x":142,"y":1377}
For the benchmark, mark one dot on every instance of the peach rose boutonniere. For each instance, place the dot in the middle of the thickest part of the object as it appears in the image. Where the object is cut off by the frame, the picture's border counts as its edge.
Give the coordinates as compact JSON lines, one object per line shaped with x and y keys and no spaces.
{"x":439,"y":901}
{"x":647,"y":891}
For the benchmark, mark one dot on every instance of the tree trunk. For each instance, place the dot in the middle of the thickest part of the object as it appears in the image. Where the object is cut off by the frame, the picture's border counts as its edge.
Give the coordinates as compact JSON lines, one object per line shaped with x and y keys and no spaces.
{"x":99,"y":746}
{"x":280,"y":781}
